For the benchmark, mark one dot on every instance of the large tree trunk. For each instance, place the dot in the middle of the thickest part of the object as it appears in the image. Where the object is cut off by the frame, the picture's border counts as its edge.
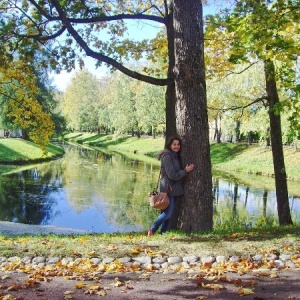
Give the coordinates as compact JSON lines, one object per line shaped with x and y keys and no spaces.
{"x":196,"y":213}
{"x":170,"y":91}
{"x":283,"y":207}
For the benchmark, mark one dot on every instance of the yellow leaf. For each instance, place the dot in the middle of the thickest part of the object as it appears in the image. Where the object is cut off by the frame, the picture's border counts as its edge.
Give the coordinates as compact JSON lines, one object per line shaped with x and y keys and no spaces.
{"x":136,"y":250}
{"x":93,"y":287}
{"x":101,"y":293}
{"x":8,"y":297}
{"x":119,"y":282}
{"x":273,"y":274}
{"x":245,"y":291}
{"x":213,"y":286}
{"x":79,"y":285}
{"x":92,"y":253}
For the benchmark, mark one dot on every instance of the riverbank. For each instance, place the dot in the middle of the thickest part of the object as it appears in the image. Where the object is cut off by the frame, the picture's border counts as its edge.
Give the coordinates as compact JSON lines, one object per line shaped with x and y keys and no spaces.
{"x":20,"y":152}
{"x":232,"y":158}
{"x":242,"y":158}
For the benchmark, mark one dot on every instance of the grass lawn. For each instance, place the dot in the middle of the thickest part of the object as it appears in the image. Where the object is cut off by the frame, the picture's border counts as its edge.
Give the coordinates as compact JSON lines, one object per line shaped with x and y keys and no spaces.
{"x":19,"y":151}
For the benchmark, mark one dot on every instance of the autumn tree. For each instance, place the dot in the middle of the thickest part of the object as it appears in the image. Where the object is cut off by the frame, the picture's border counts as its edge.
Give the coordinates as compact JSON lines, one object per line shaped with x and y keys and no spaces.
{"x":20,"y":92}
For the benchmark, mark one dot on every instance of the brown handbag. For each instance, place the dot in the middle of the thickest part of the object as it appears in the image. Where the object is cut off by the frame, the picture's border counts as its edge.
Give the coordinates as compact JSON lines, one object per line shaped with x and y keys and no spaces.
{"x":159,"y":200}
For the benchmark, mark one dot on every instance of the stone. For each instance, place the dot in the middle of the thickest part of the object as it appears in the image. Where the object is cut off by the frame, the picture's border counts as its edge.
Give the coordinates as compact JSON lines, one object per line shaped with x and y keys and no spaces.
{"x":174,"y":260}
{"x":39,"y":259}
{"x":53,"y":260}
{"x":221,"y":258}
{"x":208,"y":259}
{"x":190,"y":259}
{"x":95,"y":260}
{"x":159,"y":260}
{"x":285,"y":257}
{"x":143,"y":259}
{"x":14,"y":259}
{"x":258,"y":257}
{"x":124,"y":260}
{"x":108,"y":260}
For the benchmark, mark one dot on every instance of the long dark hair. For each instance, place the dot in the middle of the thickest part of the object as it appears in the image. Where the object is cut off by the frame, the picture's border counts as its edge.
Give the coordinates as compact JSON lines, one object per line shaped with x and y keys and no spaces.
{"x":171,"y":140}
{"x":168,"y":146}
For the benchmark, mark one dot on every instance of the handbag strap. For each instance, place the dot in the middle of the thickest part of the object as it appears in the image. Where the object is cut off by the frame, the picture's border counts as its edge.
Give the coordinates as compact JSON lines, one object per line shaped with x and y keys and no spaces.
{"x":168,"y":189}
{"x":158,"y":179}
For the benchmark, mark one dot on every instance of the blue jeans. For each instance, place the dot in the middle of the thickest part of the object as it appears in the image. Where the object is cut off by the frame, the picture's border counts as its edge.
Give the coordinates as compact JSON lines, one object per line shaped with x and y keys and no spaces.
{"x":163,"y":218}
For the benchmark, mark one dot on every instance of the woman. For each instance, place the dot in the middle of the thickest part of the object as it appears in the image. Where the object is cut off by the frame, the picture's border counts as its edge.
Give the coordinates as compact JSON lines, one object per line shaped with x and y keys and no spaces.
{"x":170,"y":180}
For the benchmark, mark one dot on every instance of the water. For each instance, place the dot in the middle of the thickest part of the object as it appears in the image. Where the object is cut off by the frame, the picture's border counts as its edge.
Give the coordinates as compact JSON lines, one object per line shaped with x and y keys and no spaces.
{"x":99,"y":192}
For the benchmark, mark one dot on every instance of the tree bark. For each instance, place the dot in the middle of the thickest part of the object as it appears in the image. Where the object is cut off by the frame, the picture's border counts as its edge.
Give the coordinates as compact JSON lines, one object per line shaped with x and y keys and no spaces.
{"x":196,"y":213}
{"x":170,"y":96}
{"x":284,"y":213}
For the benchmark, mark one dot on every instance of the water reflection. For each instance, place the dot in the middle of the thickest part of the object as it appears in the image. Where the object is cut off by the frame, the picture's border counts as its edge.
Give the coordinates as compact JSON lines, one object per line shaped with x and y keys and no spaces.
{"x":235,"y":201}
{"x":100,"y":192}
{"x":86,"y":189}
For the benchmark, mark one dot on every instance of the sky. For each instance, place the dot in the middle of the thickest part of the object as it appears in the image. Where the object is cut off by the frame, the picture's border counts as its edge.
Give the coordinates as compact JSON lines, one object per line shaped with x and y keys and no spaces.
{"x":62,"y":80}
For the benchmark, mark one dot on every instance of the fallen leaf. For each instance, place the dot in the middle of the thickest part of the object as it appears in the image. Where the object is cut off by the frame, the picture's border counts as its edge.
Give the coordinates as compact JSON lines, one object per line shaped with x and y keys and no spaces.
{"x":213,"y":286}
{"x":8,"y":297}
{"x":80,"y":285}
{"x":92,"y":253}
{"x":136,"y":250}
{"x":101,"y":293}
{"x":245,"y":291}
{"x":128,"y":287}
{"x":273,"y":274}
{"x":118,"y":282}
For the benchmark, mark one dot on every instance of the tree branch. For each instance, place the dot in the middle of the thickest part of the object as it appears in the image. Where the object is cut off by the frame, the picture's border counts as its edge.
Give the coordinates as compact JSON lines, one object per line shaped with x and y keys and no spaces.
{"x":138,"y":16}
{"x":242,"y":107}
{"x":104,"y":58}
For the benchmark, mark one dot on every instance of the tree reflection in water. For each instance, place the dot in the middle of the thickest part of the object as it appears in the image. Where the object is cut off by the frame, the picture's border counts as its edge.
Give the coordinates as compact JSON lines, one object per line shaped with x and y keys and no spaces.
{"x":101,"y":192}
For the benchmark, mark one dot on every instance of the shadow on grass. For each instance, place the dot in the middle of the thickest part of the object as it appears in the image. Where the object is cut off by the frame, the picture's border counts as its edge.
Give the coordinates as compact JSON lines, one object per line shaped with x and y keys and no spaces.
{"x":7,"y":154}
{"x":247,"y":235}
{"x":109,"y":142}
{"x":225,"y":152}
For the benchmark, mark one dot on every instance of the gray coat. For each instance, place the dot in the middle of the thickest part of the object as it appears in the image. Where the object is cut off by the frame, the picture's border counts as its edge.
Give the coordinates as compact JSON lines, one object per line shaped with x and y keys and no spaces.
{"x":171,"y":174}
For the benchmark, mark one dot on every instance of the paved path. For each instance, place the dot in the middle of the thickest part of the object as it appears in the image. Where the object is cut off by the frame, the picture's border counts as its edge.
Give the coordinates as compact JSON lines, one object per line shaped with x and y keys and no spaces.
{"x":11,"y":229}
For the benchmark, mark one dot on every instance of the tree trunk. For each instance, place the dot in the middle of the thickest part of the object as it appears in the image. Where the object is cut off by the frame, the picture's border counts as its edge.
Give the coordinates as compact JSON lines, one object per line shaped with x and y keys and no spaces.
{"x":283,"y":208}
{"x":237,"y":131}
{"x":170,"y":96}
{"x":196,"y":213}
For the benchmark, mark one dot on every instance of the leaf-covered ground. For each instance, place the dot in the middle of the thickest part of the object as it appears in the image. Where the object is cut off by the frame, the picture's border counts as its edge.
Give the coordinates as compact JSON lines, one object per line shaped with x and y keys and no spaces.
{"x":83,"y":278}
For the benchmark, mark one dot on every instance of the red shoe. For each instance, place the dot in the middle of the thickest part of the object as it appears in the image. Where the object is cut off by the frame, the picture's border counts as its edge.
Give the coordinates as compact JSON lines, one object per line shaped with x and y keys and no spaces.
{"x":150,"y":233}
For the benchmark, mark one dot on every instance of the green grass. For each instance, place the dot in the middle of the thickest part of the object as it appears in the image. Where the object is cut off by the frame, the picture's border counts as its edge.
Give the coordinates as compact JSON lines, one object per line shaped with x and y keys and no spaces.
{"x":173,"y":243}
{"x":19,"y":151}
{"x":141,"y":146}
{"x":253,"y":159}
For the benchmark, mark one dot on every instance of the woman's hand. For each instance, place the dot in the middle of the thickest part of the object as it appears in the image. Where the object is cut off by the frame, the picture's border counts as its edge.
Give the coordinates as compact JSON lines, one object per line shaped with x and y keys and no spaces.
{"x":189,"y":168}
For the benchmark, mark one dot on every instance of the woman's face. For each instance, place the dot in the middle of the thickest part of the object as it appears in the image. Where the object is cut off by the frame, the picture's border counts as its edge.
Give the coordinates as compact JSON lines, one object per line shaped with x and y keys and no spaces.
{"x":175,"y":146}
